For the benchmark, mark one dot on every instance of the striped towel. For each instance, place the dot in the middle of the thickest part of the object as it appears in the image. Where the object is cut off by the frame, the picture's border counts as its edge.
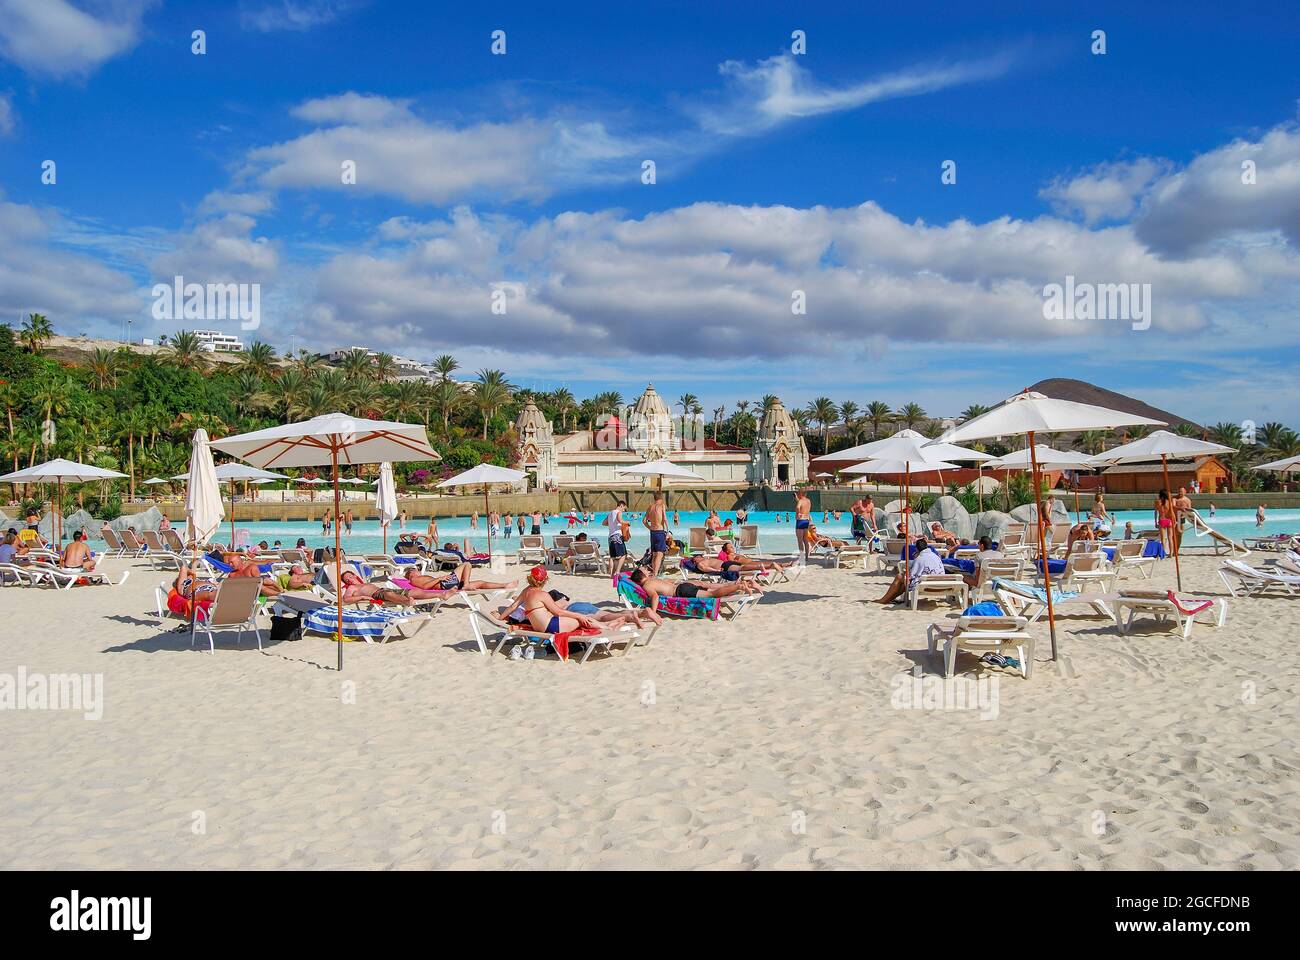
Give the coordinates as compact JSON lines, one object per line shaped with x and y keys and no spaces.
{"x":1039,"y":593}
{"x":357,"y":624}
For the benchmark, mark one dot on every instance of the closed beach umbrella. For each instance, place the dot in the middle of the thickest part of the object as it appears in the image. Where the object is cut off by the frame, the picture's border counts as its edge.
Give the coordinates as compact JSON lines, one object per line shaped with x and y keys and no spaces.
{"x":484,"y":475}
{"x":386,"y":499}
{"x":1029,"y":414}
{"x":1163,"y":444}
{"x":55,"y":472}
{"x":203,"y":506}
{"x":332,"y":438}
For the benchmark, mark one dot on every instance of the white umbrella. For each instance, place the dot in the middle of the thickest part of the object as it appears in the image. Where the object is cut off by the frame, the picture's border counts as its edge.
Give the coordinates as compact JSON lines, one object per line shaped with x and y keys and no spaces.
{"x":907,"y":448}
{"x":484,"y":475}
{"x":154,"y":480}
{"x":386,"y":498}
{"x":950,"y":451}
{"x":658,"y":469}
{"x":332,"y":438}
{"x":1280,"y":466}
{"x":1163,"y":444}
{"x":1031,"y":413}
{"x":55,"y":472}
{"x":1048,"y":459}
{"x":230,"y":472}
{"x":894,"y":466}
{"x":203,"y":506}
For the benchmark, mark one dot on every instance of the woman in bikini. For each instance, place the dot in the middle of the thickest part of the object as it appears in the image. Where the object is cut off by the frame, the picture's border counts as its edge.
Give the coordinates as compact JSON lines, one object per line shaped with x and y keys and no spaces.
{"x":543,"y":612}
{"x":1164,"y":511}
{"x":733,"y":559}
{"x":458,"y":579}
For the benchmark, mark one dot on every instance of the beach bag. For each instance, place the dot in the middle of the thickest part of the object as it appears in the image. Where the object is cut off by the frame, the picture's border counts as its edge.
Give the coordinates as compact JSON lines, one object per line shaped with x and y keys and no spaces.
{"x":286,"y":629}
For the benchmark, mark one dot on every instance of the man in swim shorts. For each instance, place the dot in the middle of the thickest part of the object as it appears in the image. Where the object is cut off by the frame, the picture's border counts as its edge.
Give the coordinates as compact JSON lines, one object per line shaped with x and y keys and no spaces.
{"x":802,"y":517}
{"x":617,"y":546}
{"x":656,"y":520}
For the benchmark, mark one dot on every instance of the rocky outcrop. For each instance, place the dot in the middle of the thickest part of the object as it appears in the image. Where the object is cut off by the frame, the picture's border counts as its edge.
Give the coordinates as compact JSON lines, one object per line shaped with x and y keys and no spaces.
{"x":894,"y":516}
{"x":70,"y":524}
{"x":1025,"y":513}
{"x":949,"y":512}
{"x":150,"y":519}
{"x":991,"y":524}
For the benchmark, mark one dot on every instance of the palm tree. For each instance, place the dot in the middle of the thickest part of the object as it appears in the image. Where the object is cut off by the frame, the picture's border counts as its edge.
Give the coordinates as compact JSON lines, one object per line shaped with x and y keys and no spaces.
{"x":259,"y":359}
{"x":824,"y":411}
{"x":766,"y":403}
{"x":246,"y":387}
{"x":131,"y":425}
{"x":1091,"y":442}
{"x":446,"y":396}
{"x":491,"y":393}
{"x":405,"y":400}
{"x":1271,"y":434}
{"x":356,"y":365}
{"x":742,"y":412}
{"x":51,"y":393}
{"x":103,"y":364}
{"x":307,"y":363}
{"x":444,"y":366}
{"x":9,"y":399}
{"x":385,"y":366}
{"x":848,"y":410}
{"x":974,"y":410}
{"x":286,"y":390}
{"x":1187,"y":430}
{"x":563,"y":402}
{"x":718,"y":413}
{"x":35,"y":332}
{"x":688,"y":402}
{"x":910,"y":414}
{"x":877,"y":412}
{"x":186,"y":351}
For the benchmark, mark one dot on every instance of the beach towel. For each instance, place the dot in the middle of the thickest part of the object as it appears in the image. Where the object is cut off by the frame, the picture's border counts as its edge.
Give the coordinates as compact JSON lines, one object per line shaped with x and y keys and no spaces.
{"x":1039,"y":593}
{"x":985,"y":609}
{"x":357,"y":624}
{"x":700,"y":608}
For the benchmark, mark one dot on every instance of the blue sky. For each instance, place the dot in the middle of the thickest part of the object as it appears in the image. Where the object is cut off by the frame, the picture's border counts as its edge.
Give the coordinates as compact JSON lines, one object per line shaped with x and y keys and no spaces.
{"x":775,"y":173}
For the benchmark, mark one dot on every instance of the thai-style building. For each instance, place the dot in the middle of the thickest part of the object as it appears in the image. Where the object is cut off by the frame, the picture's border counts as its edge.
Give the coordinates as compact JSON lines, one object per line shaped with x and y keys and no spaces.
{"x":649,"y":431}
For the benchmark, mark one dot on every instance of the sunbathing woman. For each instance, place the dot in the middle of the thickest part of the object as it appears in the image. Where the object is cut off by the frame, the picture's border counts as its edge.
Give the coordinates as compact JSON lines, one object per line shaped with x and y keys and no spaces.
{"x":733,"y":559}
{"x":542,"y":611}
{"x":355,"y":590}
{"x":939,"y":535}
{"x":194,"y":587}
{"x":458,"y":579}
{"x":815,"y":539}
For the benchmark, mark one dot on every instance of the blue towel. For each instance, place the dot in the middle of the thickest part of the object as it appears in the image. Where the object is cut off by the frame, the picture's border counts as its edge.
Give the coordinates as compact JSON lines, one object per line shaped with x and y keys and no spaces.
{"x":986,"y":609}
{"x":356,"y":623}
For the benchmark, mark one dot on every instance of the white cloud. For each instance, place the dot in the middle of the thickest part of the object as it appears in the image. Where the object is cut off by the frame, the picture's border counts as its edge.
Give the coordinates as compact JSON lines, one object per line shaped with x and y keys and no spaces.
{"x":715,"y":280}
{"x":59,"y":39}
{"x":759,"y":97}
{"x":221,"y":201}
{"x":7,"y":116}
{"x":37,"y":275}
{"x":221,"y":250}
{"x":295,"y":15}
{"x":1110,"y":191}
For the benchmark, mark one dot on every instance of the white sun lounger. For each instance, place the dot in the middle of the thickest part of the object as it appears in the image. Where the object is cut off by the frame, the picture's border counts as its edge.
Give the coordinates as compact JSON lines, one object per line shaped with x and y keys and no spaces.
{"x":483,"y":626}
{"x":932,"y":586}
{"x":1252,"y":581}
{"x":64,"y":578}
{"x":1030,"y":601}
{"x":1163,"y":607}
{"x":981,"y":635}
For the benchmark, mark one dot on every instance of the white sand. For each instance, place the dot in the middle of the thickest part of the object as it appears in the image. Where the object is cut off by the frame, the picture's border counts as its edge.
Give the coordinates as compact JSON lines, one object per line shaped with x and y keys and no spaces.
{"x":1143,"y":753}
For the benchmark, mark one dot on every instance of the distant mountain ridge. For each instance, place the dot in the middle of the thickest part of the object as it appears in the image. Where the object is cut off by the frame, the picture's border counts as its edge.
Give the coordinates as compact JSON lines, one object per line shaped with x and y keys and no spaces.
{"x":1063,"y":388}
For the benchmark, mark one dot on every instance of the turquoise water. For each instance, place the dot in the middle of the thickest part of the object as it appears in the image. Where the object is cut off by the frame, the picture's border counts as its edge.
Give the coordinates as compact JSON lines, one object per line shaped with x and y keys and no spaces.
{"x":775,"y":536}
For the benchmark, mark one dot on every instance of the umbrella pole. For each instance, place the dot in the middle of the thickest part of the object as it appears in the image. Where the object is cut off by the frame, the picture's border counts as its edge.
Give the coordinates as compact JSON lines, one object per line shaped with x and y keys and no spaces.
{"x":979,"y":483}
{"x":338,"y":556}
{"x":1174,"y":532}
{"x":487,"y":517}
{"x":1042,"y":542}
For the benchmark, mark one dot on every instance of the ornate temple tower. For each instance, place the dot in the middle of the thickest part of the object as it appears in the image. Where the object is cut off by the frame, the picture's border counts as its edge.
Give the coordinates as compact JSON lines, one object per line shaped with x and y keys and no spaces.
{"x":535,"y":452}
{"x":780,"y":455}
{"x":651,"y":431}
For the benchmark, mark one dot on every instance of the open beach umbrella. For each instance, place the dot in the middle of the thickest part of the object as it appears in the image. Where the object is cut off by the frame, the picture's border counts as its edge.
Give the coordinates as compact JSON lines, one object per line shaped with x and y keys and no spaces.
{"x":908,"y":449}
{"x":386,"y":499}
{"x":1031,"y":413}
{"x":203,"y":506}
{"x":230,"y":472}
{"x":896,"y":467}
{"x":950,"y":451}
{"x":1163,"y":444}
{"x":154,"y":480}
{"x":1280,"y":466}
{"x":331,"y":438}
{"x":1049,"y":458}
{"x":659,"y":469}
{"x":484,"y":475}
{"x":55,"y":472}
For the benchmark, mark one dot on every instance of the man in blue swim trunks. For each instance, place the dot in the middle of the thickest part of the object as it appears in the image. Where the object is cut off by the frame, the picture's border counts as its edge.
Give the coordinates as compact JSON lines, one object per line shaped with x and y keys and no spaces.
{"x":656,"y":520}
{"x":802,"y":514}
{"x":617,"y":547}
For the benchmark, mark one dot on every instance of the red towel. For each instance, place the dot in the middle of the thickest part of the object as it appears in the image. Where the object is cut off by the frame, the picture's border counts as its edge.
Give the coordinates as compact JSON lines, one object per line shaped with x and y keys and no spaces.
{"x":561,"y":640}
{"x":1190,"y":611}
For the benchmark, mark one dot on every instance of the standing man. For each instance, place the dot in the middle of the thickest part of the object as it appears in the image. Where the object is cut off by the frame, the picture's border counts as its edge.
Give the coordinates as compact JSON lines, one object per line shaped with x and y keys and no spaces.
{"x":656,"y":519}
{"x":617,"y":548}
{"x":802,"y":517}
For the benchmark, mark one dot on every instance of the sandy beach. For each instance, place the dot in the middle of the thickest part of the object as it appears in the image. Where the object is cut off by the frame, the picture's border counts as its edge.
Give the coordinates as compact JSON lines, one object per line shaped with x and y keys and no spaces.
{"x":777,"y":741}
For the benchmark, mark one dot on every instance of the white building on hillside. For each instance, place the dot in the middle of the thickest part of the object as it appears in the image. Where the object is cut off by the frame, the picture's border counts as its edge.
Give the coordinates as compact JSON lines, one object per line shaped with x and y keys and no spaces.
{"x":214,"y":341}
